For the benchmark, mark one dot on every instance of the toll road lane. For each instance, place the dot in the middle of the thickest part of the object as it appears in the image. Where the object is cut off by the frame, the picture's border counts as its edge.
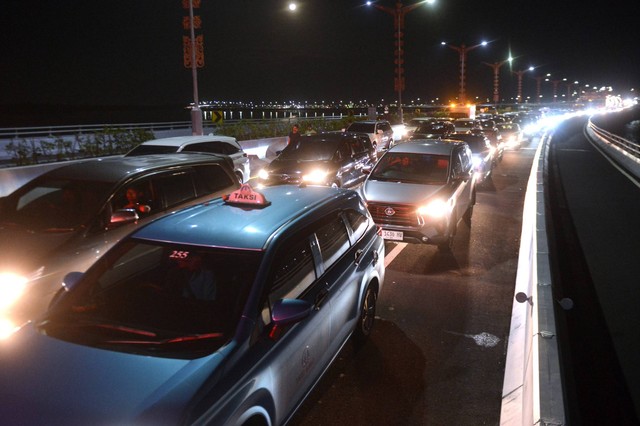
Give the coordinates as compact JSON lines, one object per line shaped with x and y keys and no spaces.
{"x":437,"y":352}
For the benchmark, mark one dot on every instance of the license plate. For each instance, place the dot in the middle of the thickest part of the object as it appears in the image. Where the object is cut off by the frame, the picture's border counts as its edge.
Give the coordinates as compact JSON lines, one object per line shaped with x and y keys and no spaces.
{"x":392,"y":235}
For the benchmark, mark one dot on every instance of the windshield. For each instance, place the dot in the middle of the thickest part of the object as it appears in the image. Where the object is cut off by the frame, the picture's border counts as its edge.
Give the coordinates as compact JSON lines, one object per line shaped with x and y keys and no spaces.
{"x":412,"y":168}
{"x":151,"y":149}
{"x":309,"y":150}
{"x":361,"y":127}
{"x":173,"y":300}
{"x":49,"y":205}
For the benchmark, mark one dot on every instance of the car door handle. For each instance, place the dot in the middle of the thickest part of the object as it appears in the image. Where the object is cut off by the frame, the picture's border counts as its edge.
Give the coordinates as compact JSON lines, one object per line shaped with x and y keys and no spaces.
{"x":358,"y":256}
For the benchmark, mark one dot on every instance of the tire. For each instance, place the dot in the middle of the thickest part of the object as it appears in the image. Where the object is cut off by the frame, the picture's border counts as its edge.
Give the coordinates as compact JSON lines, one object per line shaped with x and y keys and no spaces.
{"x":446,"y":246}
{"x":364,"y":326}
{"x":469,"y":213}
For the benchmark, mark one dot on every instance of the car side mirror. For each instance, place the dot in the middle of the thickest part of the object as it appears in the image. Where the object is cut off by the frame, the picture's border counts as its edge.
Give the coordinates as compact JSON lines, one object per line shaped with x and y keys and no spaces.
{"x":122,"y":217}
{"x":289,"y":311}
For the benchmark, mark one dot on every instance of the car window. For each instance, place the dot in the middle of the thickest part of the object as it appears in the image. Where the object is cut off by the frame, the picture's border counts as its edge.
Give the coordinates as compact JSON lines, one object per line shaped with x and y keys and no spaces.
{"x":412,"y":168}
{"x":144,"y":287}
{"x":344,"y":151}
{"x":144,"y":149}
{"x":357,"y":146}
{"x":333,"y":240}
{"x":309,"y":150}
{"x":134,"y":195}
{"x":48,"y":204}
{"x":175,"y":188}
{"x":294,"y":271}
{"x":210,"y":179}
{"x":215,"y":147}
{"x":361,"y":127}
{"x":358,"y":222}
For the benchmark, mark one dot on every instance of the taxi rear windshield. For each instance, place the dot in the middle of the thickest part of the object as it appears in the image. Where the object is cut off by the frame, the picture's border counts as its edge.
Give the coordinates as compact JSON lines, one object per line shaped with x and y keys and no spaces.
{"x":169,"y":299}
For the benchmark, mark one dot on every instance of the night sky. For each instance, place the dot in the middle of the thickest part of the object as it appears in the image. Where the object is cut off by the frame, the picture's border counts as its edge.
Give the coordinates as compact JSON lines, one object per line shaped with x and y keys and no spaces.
{"x":130,"y":52}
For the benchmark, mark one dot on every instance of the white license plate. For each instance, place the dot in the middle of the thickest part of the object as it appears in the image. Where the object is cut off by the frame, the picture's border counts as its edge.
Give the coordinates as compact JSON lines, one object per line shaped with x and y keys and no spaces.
{"x":392,"y":235}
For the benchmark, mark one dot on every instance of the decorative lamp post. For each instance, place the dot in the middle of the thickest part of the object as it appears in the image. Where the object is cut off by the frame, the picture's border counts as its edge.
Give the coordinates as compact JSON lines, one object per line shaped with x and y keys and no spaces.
{"x":520,"y":74}
{"x":194,"y":59}
{"x":462,"y":51}
{"x":496,"y":78}
{"x":555,"y":89}
{"x":538,"y":80}
{"x":398,"y":15}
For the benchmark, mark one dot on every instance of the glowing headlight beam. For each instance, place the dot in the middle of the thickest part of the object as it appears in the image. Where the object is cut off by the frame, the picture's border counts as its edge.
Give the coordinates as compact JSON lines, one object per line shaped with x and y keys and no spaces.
{"x":435,"y":209}
{"x":316,"y":176}
{"x":11,"y":288}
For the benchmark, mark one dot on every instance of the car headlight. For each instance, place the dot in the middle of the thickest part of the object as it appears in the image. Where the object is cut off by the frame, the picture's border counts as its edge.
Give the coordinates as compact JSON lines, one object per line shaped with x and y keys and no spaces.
{"x":476,"y":161}
{"x":263,"y":174}
{"x":11,"y":288}
{"x":7,"y":328}
{"x":436,"y":209}
{"x":316,"y":176}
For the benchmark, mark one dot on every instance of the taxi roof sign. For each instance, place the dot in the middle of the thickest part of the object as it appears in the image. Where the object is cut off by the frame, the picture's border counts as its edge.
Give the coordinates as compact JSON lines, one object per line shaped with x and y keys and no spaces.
{"x":247,"y":196}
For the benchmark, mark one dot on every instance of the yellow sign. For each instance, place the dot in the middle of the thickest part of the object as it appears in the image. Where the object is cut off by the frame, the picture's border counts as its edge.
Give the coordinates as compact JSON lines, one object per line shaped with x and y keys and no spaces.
{"x":217,"y":117}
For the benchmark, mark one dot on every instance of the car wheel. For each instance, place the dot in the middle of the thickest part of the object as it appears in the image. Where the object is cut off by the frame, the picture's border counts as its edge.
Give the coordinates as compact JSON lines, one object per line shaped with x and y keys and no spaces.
{"x":367,"y":316}
{"x":447,"y":245}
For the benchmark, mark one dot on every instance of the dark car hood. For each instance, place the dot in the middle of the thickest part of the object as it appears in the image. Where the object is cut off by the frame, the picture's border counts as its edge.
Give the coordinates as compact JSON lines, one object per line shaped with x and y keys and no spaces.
{"x":59,"y":383}
{"x":23,"y":251}
{"x":287,"y":166}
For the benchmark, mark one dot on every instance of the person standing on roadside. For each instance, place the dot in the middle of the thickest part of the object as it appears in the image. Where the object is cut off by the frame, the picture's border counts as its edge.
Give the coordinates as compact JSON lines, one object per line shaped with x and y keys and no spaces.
{"x":294,"y":135}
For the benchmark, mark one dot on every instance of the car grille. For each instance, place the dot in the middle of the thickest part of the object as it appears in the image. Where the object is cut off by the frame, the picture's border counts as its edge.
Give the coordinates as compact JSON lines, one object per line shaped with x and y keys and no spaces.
{"x":404,"y":215}
{"x":285,"y":178}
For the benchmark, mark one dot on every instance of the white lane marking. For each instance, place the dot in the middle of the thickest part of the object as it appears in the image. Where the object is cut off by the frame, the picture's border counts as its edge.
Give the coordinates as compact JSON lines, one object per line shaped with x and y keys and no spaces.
{"x":393,"y":253}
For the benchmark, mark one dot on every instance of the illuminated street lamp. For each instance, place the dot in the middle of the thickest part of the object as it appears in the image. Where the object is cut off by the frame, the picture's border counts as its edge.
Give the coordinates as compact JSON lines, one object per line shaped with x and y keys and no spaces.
{"x":462,"y":51}
{"x":520,"y":74}
{"x":496,"y":78}
{"x":398,"y":25}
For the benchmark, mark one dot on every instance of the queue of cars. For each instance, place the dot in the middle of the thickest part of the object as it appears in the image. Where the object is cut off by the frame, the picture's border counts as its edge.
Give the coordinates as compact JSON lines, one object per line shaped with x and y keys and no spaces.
{"x":224,"y":306}
{"x":156,"y":289}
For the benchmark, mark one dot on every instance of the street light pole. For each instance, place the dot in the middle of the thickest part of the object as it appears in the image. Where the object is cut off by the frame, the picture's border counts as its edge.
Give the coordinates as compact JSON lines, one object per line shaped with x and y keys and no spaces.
{"x":462,"y":51}
{"x":496,"y":78}
{"x":398,"y":15}
{"x":520,"y":74}
{"x":196,"y":113}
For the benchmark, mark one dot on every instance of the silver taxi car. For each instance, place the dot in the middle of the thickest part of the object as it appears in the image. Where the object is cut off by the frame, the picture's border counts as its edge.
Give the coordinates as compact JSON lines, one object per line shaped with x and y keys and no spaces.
{"x":226,"y":313}
{"x":419,"y":191}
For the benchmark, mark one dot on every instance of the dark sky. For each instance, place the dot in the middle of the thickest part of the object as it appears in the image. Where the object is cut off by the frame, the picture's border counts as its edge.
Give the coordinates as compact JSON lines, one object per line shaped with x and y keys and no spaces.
{"x":130,"y":52}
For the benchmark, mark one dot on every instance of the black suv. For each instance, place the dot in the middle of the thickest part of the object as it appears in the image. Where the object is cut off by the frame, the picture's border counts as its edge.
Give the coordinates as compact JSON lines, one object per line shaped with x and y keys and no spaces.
{"x":333,"y":159}
{"x":433,"y":129}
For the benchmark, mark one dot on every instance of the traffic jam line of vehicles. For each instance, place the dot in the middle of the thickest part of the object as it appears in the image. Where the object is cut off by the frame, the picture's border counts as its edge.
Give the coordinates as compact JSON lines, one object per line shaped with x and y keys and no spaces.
{"x":225,"y":313}
{"x":160,"y":289}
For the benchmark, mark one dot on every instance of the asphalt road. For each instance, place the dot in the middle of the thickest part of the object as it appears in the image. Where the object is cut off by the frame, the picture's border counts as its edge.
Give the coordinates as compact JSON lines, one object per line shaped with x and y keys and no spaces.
{"x":437,"y":353}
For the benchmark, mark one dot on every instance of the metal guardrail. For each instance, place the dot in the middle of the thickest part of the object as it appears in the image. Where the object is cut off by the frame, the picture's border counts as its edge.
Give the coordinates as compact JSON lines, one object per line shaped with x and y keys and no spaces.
{"x":26,"y":132}
{"x":622,"y":143}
